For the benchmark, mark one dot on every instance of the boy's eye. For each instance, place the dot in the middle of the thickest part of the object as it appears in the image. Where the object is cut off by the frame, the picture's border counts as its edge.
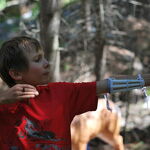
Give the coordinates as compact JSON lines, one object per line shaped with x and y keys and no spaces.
{"x":38,"y":59}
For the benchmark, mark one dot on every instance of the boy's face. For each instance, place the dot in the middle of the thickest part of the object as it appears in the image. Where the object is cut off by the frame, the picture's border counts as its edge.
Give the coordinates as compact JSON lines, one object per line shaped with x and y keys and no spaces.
{"x":38,"y":72}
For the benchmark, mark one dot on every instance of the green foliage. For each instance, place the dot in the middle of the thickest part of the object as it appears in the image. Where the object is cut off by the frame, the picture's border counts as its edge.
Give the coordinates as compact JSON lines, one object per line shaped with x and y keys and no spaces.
{"x":148,"y":91}
{"x":1,"y":42}
{"x":67,"y":67}
{"x":67,"y":2}
{"x":139,"y":146}
{"x":35,"y":10}
{"x":2,"y":4}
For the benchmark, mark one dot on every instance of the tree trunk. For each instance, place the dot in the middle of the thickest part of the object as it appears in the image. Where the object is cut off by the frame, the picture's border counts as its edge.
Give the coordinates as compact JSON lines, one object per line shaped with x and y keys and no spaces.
{"x":49,"y":34}
{"x":87,"y":15}
{"x":99,"y":40}
{"x":86,"y":9}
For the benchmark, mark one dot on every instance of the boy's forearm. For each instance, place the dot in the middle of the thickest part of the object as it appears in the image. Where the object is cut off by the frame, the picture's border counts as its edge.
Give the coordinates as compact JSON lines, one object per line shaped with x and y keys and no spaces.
{"x":103,"y":86}
{"x":146,"y":78}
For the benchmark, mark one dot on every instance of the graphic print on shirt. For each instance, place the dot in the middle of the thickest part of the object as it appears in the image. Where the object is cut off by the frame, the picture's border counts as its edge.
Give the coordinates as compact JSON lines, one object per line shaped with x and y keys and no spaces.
{"x":35,"y":132}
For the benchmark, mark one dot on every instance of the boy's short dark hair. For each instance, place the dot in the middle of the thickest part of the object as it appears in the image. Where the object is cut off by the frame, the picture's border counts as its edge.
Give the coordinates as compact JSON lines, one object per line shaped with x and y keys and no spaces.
{"x":13,"y":56}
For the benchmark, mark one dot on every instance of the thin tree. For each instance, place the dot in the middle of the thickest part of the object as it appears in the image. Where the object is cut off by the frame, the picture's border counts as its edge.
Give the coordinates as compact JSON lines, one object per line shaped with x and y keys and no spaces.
{"x":99,"y":38}
{"x":87,"y":25}
{"x":49,"y":33}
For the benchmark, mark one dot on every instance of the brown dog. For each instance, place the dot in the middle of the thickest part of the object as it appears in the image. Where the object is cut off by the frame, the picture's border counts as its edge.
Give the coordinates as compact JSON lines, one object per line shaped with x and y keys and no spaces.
{"x":101,"y":123}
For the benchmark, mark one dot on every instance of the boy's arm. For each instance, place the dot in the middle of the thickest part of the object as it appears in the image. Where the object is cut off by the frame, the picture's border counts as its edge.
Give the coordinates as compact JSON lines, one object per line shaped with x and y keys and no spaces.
{"x":102,"y":86}
{"x":17,"y":92}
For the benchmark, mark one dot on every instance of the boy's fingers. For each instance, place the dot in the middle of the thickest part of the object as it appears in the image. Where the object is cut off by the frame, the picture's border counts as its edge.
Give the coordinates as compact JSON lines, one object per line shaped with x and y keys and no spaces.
{"x":23,"y":91}
{"x":30,"y":93}
{"x":28,"y":86}
{"x":26,"y":96}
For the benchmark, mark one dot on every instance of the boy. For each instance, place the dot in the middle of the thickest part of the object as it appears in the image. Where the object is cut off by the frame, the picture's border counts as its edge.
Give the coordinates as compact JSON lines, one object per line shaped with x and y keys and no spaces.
{"x":35,"y":114}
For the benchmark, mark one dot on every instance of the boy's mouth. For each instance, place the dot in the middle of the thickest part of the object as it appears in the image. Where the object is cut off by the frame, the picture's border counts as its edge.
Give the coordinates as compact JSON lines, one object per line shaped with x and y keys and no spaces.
{"x":46,"y":73}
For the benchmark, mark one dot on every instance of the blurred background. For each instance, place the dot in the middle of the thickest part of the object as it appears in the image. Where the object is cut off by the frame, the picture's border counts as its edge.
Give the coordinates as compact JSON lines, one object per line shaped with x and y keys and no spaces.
{"x":88,"y":40}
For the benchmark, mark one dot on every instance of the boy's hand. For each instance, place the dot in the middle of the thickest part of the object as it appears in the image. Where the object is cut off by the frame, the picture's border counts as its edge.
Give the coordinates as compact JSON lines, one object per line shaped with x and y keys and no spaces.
{"x":18,"y":92}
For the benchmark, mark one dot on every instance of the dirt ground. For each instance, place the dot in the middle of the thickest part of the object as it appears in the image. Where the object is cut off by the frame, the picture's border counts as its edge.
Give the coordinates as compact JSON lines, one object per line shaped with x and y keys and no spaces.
{"x":134,"y":146}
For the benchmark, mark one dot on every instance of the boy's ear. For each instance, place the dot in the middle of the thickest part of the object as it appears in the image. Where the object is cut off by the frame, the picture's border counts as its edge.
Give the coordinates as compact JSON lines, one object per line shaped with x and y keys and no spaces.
{"x":16,"y":75}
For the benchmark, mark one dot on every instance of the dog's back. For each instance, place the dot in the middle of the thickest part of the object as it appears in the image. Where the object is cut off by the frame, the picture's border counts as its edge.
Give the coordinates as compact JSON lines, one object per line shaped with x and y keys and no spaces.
{"x":101,"y":123}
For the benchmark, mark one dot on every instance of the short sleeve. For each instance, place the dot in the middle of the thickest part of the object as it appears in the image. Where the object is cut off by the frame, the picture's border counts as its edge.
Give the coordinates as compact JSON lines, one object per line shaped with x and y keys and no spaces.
{"x":76,"y":98}
{"x":83,"y":98}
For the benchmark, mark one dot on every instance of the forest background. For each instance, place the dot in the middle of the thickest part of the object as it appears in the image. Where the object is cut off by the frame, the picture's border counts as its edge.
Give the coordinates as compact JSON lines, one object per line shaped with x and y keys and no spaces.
{"x":88,"y":40}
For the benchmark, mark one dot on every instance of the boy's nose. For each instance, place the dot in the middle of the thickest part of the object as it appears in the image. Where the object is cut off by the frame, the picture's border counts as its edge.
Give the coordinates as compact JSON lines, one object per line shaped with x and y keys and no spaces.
{"x":46,"y":63}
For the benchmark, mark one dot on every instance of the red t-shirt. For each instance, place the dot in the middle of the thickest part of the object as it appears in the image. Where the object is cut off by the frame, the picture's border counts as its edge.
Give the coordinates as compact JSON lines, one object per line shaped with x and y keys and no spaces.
{"x":43,"y":122}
